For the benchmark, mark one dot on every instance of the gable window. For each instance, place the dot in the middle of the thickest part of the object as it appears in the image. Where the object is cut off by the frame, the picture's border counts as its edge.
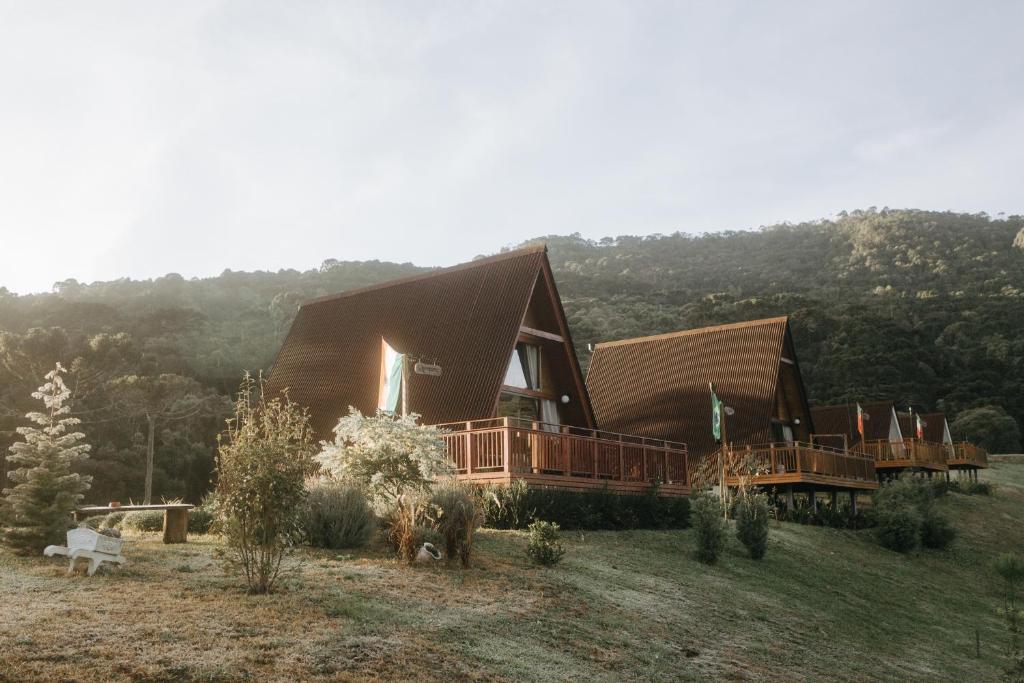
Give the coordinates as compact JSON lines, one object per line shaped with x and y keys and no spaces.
{"x":524,"y":367}
{"x":782,"y":432}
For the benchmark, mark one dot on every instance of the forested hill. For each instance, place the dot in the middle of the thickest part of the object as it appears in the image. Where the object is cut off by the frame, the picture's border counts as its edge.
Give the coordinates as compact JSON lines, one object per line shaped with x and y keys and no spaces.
{"x":922,"y":307}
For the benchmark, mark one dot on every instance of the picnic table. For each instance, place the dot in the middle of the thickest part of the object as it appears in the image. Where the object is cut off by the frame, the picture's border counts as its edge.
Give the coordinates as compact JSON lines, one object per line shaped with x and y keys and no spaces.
{"x":175,"y":517}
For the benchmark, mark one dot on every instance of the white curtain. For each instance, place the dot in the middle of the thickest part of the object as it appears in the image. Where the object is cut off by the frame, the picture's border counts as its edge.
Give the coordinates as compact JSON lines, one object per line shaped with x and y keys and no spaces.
{"x":531,"y":365}
{"x":549,"y":414}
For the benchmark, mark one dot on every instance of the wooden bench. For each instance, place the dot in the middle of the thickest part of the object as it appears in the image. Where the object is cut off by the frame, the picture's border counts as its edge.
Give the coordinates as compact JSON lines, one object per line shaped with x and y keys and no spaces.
{"x":84,"y":543}
{"x":175,"y":517}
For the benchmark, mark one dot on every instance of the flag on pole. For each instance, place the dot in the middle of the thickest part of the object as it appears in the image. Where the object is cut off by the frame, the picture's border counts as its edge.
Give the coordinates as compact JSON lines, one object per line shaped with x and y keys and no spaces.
{"x":390,"y":391}
{"x":716,"y":414}
{"x":919,"y":424}
{"x":860,"y":421}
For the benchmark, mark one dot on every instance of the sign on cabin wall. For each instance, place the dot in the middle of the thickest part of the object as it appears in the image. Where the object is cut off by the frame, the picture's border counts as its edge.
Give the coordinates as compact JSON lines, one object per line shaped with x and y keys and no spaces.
{"x":431,"y":369}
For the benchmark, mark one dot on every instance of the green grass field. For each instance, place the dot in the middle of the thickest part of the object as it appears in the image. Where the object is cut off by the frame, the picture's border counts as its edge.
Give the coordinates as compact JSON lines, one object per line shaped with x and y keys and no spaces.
{"x":823,"y":605}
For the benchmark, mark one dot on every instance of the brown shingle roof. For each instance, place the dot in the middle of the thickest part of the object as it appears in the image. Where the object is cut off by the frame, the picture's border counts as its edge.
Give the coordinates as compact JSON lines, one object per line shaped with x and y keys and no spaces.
{"x":658,"y":386}
{"x":934,"y":427}
{"x":465,"y":318}
{"x":842,"y":419}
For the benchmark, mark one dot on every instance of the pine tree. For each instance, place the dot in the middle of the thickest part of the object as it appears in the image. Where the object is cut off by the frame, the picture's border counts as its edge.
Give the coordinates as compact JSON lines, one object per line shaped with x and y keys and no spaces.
{"x":37,"y":509}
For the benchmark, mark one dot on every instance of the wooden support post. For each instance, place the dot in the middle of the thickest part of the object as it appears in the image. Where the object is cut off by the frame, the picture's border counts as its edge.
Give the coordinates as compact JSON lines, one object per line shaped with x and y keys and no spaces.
{"x":853,"y":502}
{"x":835,"y":500}
{"x":643,"y":462}
{"x":622,"y":472}
{"x":813,"y":499}
{"x":789,"y":498}
{"x":506,"y":446}
{"x":176,"y":525}
{"x":469,"y":448}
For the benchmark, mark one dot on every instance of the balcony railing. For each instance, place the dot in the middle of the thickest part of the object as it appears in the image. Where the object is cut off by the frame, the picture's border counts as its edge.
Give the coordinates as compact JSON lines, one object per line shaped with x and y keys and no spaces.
{"x":524,"y":447}
{"x":907,"y":453}
{"x":967,"y":454}
{"x":797,"y":461}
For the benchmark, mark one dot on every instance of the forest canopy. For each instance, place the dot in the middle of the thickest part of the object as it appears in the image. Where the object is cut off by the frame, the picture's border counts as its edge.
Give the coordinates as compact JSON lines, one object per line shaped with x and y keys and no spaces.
{"x":925,"y":308}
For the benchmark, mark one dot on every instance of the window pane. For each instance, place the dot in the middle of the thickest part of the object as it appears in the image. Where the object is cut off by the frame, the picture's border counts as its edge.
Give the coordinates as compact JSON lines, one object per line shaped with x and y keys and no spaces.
{"x":513,"y":405}
{"x":514,"y":376}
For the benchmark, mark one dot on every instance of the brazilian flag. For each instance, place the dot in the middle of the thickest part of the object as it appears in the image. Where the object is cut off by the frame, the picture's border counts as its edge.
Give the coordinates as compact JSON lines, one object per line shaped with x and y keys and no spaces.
{"x":716,"y":414}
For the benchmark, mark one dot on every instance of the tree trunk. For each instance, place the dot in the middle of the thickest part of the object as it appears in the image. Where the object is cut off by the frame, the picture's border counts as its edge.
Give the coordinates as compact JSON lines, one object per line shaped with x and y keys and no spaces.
{"x":151,"y":423}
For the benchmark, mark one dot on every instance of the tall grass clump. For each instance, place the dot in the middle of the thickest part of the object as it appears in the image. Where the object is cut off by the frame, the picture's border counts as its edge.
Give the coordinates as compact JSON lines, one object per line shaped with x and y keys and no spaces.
{"x":710,"y":529}
{"x":337,"y":514}
{"x":752,"y":516}
{"x":455,"y":515}
{"x":544,"y":547}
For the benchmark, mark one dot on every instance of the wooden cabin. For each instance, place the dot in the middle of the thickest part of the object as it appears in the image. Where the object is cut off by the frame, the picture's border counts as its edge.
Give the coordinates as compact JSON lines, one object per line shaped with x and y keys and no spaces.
{"x":658,"y":387}
{"x":886,"y":437}
{"x":509,"y":394}
{"x":962,"y":457}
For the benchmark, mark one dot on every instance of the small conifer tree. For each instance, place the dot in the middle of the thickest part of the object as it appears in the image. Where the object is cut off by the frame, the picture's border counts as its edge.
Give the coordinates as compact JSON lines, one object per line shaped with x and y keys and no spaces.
{"x":37,"y":510}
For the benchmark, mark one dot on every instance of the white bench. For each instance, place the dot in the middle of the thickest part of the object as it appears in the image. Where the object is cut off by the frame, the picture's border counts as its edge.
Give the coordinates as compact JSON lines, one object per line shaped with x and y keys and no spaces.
{"x":84,"y":543}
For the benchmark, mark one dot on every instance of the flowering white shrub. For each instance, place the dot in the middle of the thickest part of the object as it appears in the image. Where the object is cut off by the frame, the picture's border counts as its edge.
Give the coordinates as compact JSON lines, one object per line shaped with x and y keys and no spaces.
{"x":392,"y":456}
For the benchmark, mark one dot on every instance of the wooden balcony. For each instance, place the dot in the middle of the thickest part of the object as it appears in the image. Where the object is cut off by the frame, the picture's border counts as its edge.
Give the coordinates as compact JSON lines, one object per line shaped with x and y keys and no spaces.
{"x":802,"y":464}
{"x":909,"y":454}
{"x":498,"y":450}
{"x":966,"y":455}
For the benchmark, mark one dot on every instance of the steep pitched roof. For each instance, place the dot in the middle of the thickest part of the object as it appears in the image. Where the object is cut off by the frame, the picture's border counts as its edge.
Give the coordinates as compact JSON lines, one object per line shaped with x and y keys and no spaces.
{"x":840,"y":419}
{"x":465,"y":318}
{"x":658,"y":386}
{"x":934,"y":427}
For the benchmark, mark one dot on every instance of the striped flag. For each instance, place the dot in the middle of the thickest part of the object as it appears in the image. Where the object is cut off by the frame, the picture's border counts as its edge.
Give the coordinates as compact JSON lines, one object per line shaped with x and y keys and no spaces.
{"x":390,"y":390}
{"x":860,"y":421}
{"x":919,"y":424}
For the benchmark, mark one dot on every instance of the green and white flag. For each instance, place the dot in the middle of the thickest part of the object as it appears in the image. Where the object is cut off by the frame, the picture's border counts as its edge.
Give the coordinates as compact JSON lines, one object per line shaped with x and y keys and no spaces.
{"x":391,"y":363}
{"x":716,"y":414}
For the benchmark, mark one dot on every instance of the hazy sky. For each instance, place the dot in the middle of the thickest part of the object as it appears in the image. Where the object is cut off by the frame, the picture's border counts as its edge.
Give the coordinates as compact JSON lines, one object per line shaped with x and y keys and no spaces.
{"x":140,"y":138}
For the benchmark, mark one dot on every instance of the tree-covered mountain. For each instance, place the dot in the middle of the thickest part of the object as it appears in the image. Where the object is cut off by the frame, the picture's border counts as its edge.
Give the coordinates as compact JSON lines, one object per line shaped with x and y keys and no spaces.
{"x":923,"y":307}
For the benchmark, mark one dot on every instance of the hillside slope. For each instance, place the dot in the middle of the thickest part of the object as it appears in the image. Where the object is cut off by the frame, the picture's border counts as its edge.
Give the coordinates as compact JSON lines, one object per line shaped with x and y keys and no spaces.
{"x":823,"y":605}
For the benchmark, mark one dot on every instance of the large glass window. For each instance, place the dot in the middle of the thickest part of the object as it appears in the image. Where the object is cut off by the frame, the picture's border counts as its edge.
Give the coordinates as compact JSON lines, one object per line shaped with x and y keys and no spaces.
{"x":515,"y":405}
{"x":524,"y":367}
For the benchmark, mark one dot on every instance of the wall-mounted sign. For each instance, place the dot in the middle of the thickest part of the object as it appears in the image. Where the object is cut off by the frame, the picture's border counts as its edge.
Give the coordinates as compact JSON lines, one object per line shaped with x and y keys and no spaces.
{"x":431,"y":369}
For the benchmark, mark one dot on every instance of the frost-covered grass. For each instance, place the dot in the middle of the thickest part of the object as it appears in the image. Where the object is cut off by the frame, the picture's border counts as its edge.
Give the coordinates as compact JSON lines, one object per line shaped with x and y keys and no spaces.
{"x":823,"y":604}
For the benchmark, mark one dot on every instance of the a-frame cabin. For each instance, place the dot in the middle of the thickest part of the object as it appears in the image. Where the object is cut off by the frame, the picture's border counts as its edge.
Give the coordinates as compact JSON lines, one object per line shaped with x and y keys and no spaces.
{"x":658,"y":386}
{"x":510,"y":394}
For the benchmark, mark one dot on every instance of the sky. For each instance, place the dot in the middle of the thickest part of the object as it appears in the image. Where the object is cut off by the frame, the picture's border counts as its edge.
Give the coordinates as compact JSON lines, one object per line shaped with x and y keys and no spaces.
{"x":138,"y":139}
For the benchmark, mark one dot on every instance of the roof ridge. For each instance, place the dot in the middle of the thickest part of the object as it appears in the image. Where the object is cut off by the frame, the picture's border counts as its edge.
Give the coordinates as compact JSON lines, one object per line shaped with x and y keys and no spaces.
{"x":684,"y":333}
{"x":467,"y":265}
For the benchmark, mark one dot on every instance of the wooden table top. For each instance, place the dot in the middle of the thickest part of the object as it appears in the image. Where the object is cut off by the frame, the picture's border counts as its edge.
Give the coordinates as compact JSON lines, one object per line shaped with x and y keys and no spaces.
{"x":130,"y":508}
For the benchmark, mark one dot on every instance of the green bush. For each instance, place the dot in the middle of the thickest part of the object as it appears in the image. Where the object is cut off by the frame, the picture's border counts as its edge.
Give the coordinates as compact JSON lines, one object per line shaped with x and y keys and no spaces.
{"x":337,"y":515}
{"x":898,"y":527}
{"x":113,"y":521}
{"x":936,"y":531}
{"x":200,"y":520}
{"x":544,"y":548}
{"x":143,"y":520}
{"x":976,"y":488}
{"x":710,"y":527}
{"x":517,"y":505}
{"x":454,"y":514}
{"x":752,"y":515}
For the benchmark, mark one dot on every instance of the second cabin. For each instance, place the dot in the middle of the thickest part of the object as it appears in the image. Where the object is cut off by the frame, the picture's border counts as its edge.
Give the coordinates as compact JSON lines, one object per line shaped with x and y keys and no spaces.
{"x":658,"y":387}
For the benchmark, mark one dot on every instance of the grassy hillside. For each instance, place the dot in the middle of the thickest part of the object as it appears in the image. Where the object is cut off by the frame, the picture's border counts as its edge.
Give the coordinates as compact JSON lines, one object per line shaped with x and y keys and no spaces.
{"x":824,"y":604}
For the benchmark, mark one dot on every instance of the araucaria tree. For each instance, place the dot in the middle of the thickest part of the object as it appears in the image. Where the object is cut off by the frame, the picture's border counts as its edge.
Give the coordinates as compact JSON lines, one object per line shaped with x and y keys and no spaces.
{"x":37,"y":510}
{"x":265,"y":455}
